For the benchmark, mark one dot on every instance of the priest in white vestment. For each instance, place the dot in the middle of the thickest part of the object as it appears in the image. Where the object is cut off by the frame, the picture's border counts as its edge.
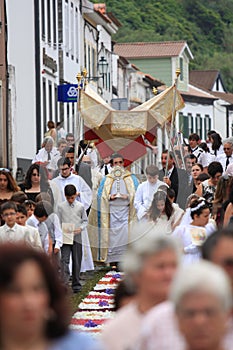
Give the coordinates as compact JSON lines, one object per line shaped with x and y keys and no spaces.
{"x":110,"y":217}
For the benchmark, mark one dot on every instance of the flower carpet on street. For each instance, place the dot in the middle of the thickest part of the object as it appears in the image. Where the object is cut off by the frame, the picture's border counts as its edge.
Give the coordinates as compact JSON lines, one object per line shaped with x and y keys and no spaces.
{"x":98,"y":307}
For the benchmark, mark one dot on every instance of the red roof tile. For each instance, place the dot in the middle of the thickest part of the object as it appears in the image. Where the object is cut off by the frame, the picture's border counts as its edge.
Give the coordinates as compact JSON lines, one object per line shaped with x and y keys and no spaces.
{"x":204,"y":78}
{"x":197,"y":92}
{"x":156,"y":81}
{"x":226,"y":96}
{"x":150,"y":49}
{"x":193,"y":92}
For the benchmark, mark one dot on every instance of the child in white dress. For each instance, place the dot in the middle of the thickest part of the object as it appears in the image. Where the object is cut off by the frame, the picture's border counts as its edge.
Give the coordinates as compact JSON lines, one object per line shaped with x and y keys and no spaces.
{"x":193,"y":235}
{"x":146,"y":190}
{"x":163,"y":213}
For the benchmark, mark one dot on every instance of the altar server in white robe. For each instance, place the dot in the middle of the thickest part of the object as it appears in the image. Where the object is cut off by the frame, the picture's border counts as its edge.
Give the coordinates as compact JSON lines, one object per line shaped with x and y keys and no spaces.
{"x":67,"y":178}
{"x":146,"y":190}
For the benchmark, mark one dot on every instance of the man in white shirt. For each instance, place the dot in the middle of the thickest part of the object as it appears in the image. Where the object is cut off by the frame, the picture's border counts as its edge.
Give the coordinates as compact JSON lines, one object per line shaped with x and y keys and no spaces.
{"x":106,"y":167}
{"x":61,"y":145}
{"x":61,"y":133}
{"x":226,"y":158}
{"x":46,"y":153}
{"x":146,"y":190}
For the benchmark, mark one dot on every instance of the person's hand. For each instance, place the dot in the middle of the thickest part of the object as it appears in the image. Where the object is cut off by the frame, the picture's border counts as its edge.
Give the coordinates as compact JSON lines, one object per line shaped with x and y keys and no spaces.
{"x":56,"y":250}
{"x":44,"y":163}
{"x":153,"y":148}
{"x":50,"y":250}
{"x":124,"y":196}
{"x":167,"y":180}
{"x":77,"y":231}
{"x":78,"y":194}
{"x":113,"y":197}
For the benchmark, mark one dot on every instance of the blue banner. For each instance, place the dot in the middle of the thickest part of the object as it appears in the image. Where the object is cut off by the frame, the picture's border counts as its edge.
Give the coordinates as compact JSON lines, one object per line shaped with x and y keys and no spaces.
{"x":67,"y":93}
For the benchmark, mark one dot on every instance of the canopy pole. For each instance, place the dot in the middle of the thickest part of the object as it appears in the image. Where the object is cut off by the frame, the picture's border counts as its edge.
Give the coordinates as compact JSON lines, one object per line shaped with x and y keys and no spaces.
{"x":82,"y":82}
{"x":181,"y":151}
{"x":79,"y":78}
{"x":173,"y":119}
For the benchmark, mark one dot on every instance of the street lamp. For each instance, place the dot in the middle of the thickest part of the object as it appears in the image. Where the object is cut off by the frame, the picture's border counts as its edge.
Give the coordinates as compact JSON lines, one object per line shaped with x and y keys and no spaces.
{"x":103,"y":66}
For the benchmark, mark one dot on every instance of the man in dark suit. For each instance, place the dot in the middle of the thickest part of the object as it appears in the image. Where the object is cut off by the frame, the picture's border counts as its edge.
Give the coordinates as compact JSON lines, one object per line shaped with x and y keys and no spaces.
{"x":176,"y":178}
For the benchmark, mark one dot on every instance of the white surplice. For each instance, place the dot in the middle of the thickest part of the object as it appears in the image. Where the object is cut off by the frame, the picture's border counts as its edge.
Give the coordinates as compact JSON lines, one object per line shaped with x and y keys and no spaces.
{"x":144,"y":196}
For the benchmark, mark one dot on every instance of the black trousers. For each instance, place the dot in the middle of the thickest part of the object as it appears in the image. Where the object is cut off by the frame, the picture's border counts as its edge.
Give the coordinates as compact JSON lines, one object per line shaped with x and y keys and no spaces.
{"x":75,"y":250}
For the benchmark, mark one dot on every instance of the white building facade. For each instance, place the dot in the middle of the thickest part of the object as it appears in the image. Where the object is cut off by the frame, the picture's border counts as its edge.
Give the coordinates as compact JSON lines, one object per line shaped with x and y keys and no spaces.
{"x":48,"y":49}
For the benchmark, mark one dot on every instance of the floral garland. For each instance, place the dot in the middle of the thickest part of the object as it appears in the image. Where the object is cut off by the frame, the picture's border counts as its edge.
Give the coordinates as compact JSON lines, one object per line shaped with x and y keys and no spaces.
{"x":98,"y":307}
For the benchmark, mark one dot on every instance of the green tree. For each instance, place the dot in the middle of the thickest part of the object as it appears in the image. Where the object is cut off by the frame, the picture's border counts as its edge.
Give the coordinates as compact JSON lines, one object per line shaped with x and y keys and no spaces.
{"x":207,"y":26}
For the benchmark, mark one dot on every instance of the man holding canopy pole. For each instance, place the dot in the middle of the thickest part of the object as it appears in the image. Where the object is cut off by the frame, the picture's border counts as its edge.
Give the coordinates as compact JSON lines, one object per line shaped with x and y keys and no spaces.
{"x":174,"y":177}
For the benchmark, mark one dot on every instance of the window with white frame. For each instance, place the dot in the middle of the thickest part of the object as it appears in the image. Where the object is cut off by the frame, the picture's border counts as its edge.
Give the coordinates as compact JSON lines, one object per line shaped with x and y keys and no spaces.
{"x":49,"y":21}
{"x":71,"y":49}
{"x":55,"y":103}
{"x":181,"y":68}
{"x":68,"y":116}
{"x":85,"y":54}
{"x":54,"y":23}
{"x":76,"y":34}
{"x":43,"y":19}
{"x":50,"y":117}
{"x":67,"y":42}
{"x":73,"y":116}
{"x":94,"y":74}
{"x":199,"y":125}
{"x":190,"y":123}
{"x":44,"y":105}
{"x":208,"y":126}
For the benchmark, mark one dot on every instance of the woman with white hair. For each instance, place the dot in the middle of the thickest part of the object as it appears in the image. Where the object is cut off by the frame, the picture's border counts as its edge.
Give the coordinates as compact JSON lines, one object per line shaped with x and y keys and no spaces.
{"x":46,"y":153}
{"x":196,"y":316}
{"x":202,"y":298}
{"x":149,"y":266}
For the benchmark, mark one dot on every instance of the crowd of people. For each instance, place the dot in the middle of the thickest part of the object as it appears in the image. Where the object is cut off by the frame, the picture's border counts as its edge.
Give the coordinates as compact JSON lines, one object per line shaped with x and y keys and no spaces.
{"x":75,"y":212}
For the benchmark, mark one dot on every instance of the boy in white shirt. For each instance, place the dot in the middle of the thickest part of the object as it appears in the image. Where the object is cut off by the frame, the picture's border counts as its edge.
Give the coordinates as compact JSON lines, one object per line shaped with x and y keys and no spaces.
{"x":11,"y":231}
{"x":72,"y":213}
{"x":34,"y":236}
{"x":43,"y":231}
{"x":44,"y":213}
